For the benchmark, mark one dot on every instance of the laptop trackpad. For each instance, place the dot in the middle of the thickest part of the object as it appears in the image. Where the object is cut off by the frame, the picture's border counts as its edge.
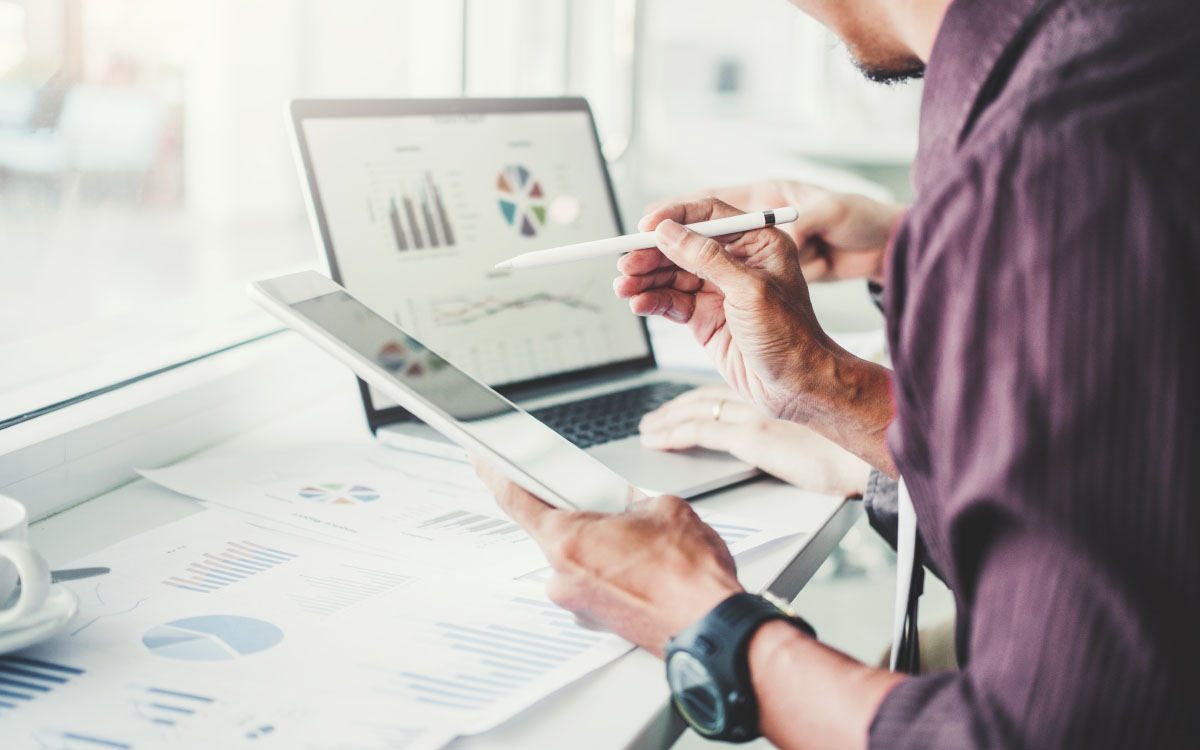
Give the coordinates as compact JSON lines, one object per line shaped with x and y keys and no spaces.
{"x":683,"y":473}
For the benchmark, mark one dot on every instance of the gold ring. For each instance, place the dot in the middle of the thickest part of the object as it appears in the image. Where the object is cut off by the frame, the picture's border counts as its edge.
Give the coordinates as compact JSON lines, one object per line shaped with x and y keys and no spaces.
{"x":717,"y":407}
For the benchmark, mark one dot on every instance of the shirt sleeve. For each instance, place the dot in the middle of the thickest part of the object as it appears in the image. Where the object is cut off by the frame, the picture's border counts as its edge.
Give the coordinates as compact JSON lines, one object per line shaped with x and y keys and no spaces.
{"x":1043,"y":329}
{"x":881,"y":501}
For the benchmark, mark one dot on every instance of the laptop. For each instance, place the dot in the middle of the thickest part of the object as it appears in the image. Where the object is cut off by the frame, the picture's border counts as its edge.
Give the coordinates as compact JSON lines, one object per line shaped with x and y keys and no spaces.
{"x":415,"y":201}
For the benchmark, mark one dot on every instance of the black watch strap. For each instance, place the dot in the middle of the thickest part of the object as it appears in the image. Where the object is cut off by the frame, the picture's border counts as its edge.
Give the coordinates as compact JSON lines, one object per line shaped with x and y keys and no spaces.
{"x":720,"y":642}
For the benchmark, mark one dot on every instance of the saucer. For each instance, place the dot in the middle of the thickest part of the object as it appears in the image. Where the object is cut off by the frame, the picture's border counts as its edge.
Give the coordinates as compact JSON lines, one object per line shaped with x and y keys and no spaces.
{"x":60,"y":606}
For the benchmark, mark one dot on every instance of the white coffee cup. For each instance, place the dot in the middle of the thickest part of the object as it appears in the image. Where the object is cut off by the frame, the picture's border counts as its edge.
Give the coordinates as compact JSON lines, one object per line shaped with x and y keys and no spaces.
{"x":19,"y":562}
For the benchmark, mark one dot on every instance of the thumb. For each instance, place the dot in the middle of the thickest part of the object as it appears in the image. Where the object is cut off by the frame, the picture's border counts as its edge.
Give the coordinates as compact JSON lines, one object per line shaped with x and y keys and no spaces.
{"x":703,"y":256}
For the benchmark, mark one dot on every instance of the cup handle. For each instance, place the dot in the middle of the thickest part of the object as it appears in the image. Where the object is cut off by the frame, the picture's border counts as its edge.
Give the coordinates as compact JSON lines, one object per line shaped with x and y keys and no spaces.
{"x":35,"y":581}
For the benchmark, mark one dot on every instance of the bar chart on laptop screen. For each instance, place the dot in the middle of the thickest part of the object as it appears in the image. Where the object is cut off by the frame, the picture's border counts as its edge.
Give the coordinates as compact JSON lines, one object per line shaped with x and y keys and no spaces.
{"x":417,"y":216}
{"x":416,"y":213}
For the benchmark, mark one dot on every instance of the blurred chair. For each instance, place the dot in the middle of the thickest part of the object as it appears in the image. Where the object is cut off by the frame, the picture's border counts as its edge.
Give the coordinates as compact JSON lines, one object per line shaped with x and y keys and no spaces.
{"x":102,"y":133}
{"x":16,"y":105}
{"x":111,"y":131}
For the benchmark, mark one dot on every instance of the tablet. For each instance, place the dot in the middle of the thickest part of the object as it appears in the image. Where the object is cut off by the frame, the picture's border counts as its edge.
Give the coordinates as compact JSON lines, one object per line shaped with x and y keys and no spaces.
{"x":463,"y":409}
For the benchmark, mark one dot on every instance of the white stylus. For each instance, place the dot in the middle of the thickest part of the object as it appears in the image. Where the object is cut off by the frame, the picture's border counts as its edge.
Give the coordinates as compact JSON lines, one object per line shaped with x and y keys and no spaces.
{"x":630,"y":242}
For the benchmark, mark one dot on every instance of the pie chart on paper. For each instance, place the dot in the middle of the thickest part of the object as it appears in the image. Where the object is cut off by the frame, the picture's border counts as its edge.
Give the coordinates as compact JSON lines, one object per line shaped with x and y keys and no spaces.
{"x":211,"y":638}
{"x":339,"y":493}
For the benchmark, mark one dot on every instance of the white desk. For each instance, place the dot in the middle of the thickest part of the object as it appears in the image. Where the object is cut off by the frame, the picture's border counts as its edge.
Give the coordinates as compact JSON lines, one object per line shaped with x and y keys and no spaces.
{"x":625,"y":704}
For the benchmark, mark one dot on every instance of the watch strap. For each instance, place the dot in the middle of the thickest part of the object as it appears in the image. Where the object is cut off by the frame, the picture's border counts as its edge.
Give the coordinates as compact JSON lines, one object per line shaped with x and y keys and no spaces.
{"x":721,"y":640}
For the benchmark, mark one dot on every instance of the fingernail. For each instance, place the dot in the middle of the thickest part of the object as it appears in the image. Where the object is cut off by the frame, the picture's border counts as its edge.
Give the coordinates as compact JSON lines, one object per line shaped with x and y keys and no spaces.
{"x":644,"y":223}
{"x":671,"y":231}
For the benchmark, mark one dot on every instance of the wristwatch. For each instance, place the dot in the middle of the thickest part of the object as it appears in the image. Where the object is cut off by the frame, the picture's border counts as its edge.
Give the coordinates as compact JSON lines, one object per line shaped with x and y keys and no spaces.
{"x":708,"y":669}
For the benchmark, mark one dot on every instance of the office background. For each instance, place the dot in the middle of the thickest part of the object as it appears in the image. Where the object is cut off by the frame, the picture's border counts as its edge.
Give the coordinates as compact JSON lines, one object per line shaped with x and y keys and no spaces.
{"x":146,"y":174}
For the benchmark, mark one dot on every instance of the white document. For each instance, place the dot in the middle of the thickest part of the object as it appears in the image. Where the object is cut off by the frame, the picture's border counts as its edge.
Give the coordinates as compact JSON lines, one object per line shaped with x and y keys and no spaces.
{"x":398,"y":502}
{"x":426,"y":509}
{"x":407,"y":614}
{"x":217,"y":630}
{"x":240,"y":660}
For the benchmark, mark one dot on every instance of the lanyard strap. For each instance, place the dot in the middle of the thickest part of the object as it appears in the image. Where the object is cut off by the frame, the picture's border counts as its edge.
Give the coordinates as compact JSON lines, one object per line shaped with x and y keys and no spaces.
{"x":905,"y":610}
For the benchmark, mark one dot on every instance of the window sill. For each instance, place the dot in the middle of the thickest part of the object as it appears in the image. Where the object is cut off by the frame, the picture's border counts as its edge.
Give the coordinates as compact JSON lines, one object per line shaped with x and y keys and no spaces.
{"x":70,"y":455}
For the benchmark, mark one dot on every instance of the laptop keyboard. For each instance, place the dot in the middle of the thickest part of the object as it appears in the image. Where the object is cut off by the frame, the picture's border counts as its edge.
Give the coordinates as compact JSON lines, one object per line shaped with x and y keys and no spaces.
{"x":612,"y":416}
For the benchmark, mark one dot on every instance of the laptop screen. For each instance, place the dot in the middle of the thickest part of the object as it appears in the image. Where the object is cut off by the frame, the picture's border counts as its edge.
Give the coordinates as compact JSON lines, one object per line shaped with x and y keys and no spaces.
{"x":418,"y":208}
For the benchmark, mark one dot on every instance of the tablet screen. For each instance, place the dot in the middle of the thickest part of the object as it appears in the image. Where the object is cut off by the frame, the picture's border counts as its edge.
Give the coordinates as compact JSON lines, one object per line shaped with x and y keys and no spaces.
{"x":412,"y":363}
{"x":527,"y":445}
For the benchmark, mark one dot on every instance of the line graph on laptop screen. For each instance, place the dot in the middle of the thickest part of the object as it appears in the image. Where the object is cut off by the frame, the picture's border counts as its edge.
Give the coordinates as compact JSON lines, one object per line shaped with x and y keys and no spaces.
{"x":518,"y":331}
{"x":420,"y":208}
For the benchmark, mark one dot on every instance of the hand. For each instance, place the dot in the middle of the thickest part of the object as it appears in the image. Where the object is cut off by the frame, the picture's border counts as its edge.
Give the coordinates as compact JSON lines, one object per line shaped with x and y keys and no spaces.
{"x":838,"y":235}
{"x":646,"y":574}
{"x":789,"y":451}
{"x":746,"y":302}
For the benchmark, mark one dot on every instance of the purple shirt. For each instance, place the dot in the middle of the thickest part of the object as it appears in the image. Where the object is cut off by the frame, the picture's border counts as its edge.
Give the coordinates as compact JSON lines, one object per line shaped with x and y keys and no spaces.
{"x":1044,"y":318}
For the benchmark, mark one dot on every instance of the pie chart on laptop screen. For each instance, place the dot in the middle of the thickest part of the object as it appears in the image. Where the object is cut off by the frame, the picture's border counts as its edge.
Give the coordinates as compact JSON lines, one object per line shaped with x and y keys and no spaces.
{"x":211,"y":638}
{"x":521,"y":199}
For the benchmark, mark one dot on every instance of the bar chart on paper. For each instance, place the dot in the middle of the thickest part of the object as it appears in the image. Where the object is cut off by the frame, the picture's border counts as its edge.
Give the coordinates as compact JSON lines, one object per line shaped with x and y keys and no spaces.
{"x":23,"y":681}
{"x":343,"y":586}
{"x":468,"y":523}
{"x":731,"y":534}
{"x":741,"y":535}
{"x":166,"y":707}
{"x":238,"y":561}
{"x":59,"y":740}
{"x":486,"y":662}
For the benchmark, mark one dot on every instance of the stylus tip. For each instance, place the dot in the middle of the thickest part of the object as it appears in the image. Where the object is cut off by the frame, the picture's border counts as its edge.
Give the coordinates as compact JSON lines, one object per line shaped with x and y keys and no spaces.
{"x":504,"y":264}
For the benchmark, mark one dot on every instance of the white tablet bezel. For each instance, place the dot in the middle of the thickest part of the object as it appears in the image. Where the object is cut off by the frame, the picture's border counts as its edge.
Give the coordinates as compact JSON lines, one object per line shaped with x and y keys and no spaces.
{"x":599,"y":488}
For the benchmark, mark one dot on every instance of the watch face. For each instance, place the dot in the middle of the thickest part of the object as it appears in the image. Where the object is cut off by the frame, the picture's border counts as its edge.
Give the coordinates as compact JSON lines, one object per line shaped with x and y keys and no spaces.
{"x":696,"y":695}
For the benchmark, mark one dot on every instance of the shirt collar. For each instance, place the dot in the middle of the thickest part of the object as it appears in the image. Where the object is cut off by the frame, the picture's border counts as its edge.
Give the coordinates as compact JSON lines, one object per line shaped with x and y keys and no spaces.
{"x":972,"y":38}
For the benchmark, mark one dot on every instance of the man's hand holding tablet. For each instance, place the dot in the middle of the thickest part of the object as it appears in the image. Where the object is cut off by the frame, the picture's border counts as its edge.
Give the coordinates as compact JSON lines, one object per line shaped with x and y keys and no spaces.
{"x":645,"y":574}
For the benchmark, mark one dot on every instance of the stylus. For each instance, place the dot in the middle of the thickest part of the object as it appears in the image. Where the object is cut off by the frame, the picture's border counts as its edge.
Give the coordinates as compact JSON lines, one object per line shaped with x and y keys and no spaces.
{"x":630,"y":242}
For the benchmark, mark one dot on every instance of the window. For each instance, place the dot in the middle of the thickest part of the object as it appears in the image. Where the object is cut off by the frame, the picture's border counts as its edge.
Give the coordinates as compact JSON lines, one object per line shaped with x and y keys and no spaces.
{"x":145,"y":167}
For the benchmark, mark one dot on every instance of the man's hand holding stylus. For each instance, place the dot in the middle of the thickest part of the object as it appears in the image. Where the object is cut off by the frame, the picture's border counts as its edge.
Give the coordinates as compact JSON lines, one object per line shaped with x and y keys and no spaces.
{"x":838,"y":235}
{"x":746,"y":301}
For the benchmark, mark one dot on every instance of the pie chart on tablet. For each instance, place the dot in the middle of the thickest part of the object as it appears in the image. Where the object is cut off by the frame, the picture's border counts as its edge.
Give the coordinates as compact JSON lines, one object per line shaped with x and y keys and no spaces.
{"x":211,"y":638}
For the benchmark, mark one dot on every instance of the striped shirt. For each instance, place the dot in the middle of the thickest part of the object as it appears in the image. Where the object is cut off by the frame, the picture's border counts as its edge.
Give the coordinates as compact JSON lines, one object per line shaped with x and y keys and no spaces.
{"x":1043,"y":305}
